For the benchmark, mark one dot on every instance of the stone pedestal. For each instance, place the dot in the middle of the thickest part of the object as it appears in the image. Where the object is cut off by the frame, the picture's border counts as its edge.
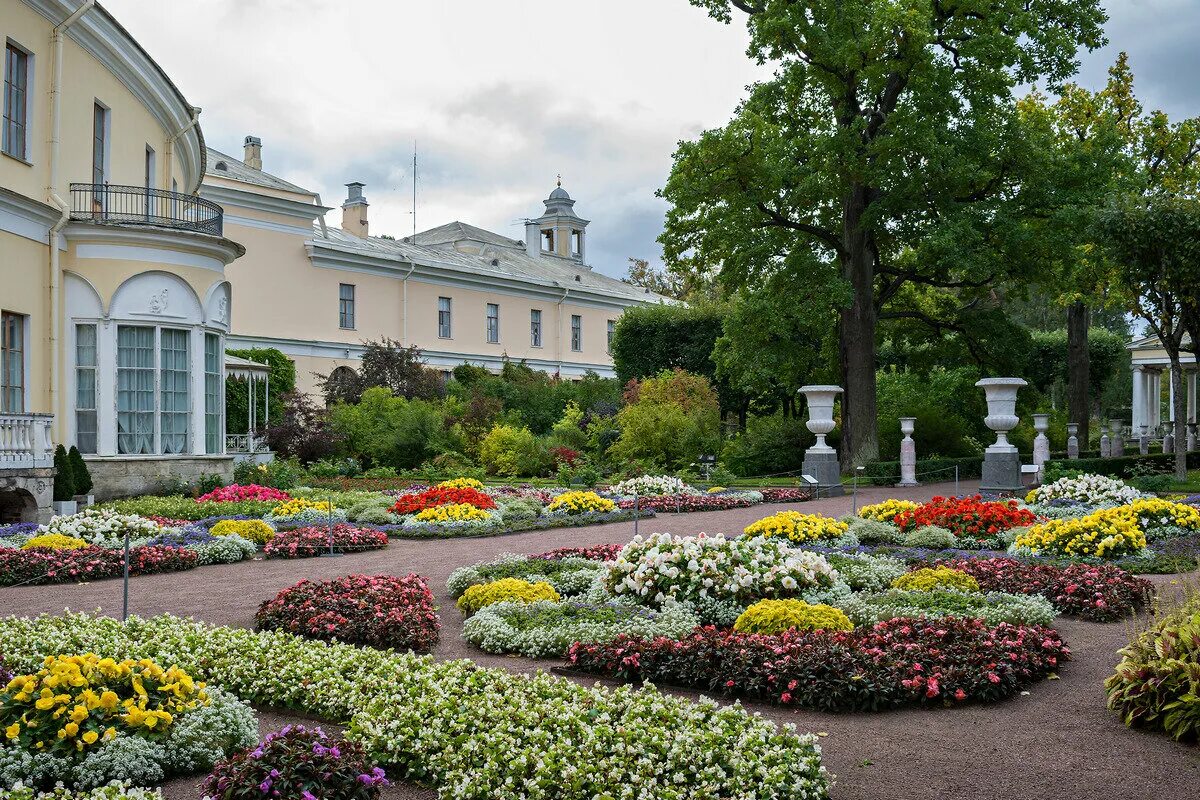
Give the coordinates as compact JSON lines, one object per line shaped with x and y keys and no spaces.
{"x":1168,"y":443}
{"x":1001,"y":461}
{"x":1116,"y":440}
{"x":823,"y":465}
{"x":1105,"y":442}
{"x":908,"y":453}
{"x":1144,"y":441}
{"x":1041,"y":442}
{"x":1073,"y":440}
{"x":1191,"y":437}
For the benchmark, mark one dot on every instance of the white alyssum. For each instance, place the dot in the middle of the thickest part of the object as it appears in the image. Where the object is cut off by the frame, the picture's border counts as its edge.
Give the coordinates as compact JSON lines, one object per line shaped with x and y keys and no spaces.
{"x":1088,"y":488}
{"x":102,"y":526}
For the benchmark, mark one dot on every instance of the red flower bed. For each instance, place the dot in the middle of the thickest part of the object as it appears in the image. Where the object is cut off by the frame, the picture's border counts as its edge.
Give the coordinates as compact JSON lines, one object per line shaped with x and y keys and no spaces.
{"x":970,"y":518}
{"x":599,"y":552}
{"x":314,"y":541}
{"x":374,"y":610}
{"x":894,"y":663}
{"x":49,"y":565}
{"x":237,"y":493}
{"x":442,"y":496}
{"x":1097,"y":593}
{"x":684,"y":502}
{"x":785,"y":495}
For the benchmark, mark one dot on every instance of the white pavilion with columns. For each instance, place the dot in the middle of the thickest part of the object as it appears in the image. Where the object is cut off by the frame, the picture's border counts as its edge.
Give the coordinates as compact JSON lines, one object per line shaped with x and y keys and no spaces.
{"x":1151,"y":369}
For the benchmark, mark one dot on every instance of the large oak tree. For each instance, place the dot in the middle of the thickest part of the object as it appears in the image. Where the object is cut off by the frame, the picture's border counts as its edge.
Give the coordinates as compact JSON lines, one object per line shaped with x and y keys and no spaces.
{"x":885,"y":153}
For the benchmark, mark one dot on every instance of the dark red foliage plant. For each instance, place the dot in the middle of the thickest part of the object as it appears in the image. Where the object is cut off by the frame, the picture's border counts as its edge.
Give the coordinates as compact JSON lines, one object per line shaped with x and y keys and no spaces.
{"x":373,"y":610}
{"x":51,"y":565}
{"x":597,"y":552}
{"x":314,"y":540}
{"x":899,"y":662}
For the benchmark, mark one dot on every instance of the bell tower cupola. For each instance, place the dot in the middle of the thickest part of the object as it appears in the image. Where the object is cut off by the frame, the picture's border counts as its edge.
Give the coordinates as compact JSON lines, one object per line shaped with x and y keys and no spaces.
{"x":559,"y":231}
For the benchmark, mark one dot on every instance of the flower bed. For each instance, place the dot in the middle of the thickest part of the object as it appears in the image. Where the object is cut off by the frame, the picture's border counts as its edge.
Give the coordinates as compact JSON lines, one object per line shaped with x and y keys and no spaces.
{"x":209,"y":549}
{"x":574,"y":503}
{"x":597,"y":552}
{"x":84,"y":720}
{"x":776,"y":616}
{"x":505,"y":590}
{"x":544,"y":629}
{"x":973,"y":521}
{"x":1106,"y":534}
{"x":1088,"y":488}
{"x":650,"y":485}
{"x":895,"y":663}
{"x":1161,"y":519}
{"x":797,"y":527}
{"x":567,"y":575}
{"x":299,"y":512}
{"x":888,"y":510}
{"x":111,"y":792}
{"x":46,"y":565}
{"x":442,"y":496}
{"x":187,"y":508}
{"x":865,"y":572}
{"x":55,"y":541}
{"x":463,"y":729}
{"x":991,"y":607}
{"x":927,"y":579}
{"x":688,"y":503}
{"x":102,"y":526}
{"x":422,"y":530}
{"x":1097,"y":593}
{"x":374,"y":610}
{"x":1154,"y":685}
{"x":291,"y":762}
{"x":783,"y":495}
{"x":252,"y":530}
{"x":239,"y":493}
{"x":315,"y":541}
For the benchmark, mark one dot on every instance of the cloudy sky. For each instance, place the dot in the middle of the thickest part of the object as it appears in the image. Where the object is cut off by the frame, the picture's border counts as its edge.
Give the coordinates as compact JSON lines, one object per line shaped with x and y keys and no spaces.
{"x":500,"y":97}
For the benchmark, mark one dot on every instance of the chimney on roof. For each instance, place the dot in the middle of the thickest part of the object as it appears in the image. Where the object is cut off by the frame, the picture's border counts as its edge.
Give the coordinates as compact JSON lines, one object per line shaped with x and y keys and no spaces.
{"x":354,"y":211}
{"x":253,"y":157}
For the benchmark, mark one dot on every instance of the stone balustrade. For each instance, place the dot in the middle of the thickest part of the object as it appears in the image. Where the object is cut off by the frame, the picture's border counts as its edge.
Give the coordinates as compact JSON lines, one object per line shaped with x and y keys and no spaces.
{"x":25,"y":441}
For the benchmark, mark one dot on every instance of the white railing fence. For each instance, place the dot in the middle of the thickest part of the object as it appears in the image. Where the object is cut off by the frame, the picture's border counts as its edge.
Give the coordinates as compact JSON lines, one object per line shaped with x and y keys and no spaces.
{"x":25,"y":441}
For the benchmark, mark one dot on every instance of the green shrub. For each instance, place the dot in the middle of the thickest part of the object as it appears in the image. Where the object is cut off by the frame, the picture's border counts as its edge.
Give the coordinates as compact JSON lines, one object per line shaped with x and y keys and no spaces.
{"x":674,"y":419}
{"x":64,"y":476}
{"x":776,"y":616}
{"x":378,"y":473}
{"x":930,"y":536}
{"x":871,"y":531}
{"x":519,"y":508}
{"x":391,"y":431}
{"x":511,"y":451}
{"x":79,"y":471}
{"x":278,"y":474}
{"x":1122,"y":467}
{"x":769,"y":445}
{"x":887,"y":473}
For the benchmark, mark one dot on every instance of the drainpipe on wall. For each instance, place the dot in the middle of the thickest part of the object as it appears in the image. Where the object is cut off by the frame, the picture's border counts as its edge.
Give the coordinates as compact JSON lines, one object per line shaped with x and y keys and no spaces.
{"x":64,"y":210}
{"x":558,"y":348}
{"x":404,"y":331}
{"x":170,"y":149}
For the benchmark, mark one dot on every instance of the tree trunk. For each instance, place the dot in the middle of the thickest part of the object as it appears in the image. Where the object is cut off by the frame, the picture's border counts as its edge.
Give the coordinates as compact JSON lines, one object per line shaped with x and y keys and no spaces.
{"x":856,"y":336}
{"x":1079,"y":407}
{"x":1179,"y":428}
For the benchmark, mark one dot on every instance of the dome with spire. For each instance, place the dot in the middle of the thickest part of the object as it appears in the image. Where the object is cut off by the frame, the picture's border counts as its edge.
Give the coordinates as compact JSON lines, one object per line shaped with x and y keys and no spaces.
{"x":559,"y":193}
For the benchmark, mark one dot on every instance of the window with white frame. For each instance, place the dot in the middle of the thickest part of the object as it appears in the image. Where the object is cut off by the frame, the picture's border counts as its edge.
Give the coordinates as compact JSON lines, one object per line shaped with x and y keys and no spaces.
{"x":214,"y":406}
{"x":535,"y":327}
{"x":346,"y":305}
{"x":15,"y":134}
{"x":86,"y":423}
{"x":493,"y":323}
{"x":576,"y":333}
{"x":612,"y":328}
{"x":12,"y":362}
{"x":173,"y":377}
{"x":135,"y":389}
{"x":443,"y":317}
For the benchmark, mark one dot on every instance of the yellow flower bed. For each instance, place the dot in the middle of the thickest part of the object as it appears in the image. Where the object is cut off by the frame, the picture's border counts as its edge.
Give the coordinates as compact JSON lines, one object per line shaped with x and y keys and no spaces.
{"x":928,"y":580}
{"x":581,"y":503}
{"x":776,"y":616}
{"x":1154,"y":512}
{"x":73,"y":702}
{"x":513,"y":589}
{"x":797,"y":527}
{"x":1109,"y":533}
{"x":297,"y":504}
{"x":888,"y":510}
{"x":58,"y":541}
{"x":461,"y":483}
{"x":255,"y":530}
{"x":454,"y":512}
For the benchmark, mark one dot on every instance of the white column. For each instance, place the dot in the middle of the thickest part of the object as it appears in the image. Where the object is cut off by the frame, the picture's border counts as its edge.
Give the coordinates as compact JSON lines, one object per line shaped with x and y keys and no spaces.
{"x":1140,"y":379}
{"x":1154,"y":400}
{"x":196,"y":390}
{"x":106,"y":388}
{"x":1170,"y":396}
{"x":1190,"y":383}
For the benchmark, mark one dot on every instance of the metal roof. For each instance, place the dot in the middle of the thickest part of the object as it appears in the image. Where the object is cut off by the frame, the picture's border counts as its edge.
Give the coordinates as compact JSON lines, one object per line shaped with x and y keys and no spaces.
{"x":237,"y":170}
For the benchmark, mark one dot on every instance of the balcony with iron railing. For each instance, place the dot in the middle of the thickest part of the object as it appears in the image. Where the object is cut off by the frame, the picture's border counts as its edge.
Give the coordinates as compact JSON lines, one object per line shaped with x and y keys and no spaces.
{"x":109,"y":204}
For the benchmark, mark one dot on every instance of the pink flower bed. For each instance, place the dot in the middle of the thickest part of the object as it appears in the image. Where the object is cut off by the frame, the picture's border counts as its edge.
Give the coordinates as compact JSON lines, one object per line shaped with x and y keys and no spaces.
{"x":785,"y":495}
{"x":599,"y":552}
{"x":899,"y":662}
{"x":684,"y":503}
{"x":237,"y":493}
{"x":314,"y":541}
{"x":50,"y":565}
{"x":374,"y":610}
{"x":1097,"y":593}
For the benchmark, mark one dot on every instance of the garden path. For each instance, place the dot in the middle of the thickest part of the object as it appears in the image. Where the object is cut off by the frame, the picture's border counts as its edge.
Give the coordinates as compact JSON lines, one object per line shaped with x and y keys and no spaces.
{"x":1057,"y":741}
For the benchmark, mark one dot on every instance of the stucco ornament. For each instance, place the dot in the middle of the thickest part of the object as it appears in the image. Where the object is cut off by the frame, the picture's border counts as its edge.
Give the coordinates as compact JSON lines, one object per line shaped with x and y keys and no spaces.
{"x":223,"y":309}
{"x":159,"y":300}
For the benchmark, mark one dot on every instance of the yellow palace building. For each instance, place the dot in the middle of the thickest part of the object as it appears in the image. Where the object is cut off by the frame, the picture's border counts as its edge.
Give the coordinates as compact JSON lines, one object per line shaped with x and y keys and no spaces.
{"x":132,"y":255}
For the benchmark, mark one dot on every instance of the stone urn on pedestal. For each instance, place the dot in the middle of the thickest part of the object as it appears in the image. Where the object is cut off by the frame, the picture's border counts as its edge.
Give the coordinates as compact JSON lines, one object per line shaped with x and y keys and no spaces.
{"x":1191,"y":437}
{"x":1072,"y":440}
{"x":1041,"y":442}
{"x":821,"y":460}
{"x":1001,"y":461}
{"x":1144,"y":440}
{"x":1105,"y":441}
{"x":908,"y":453}
{"x":1116,"y":444}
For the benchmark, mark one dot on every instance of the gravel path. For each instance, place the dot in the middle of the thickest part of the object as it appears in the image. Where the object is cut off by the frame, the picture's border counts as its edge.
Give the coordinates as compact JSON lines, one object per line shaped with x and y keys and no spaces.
{"x":1058,"y":741}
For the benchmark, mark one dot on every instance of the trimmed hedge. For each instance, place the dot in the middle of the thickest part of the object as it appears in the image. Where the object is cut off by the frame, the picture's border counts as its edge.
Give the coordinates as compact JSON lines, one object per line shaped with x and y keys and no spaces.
{"x":887,"y":473}
{"x":1121,"y":467}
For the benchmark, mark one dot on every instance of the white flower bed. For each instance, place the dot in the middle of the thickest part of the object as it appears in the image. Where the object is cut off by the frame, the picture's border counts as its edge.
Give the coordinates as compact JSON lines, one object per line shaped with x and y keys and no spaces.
{"x":663,"y":566}
{"x":102,"y":526}
{"x":1090,"y":489}
{"x":546,"y":629}
{"x":651,"y":485}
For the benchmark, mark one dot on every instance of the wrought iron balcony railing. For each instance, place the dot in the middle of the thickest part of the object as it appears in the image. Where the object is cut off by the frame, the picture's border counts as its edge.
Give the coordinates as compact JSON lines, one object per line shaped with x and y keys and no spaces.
{"x":109,"y":204}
